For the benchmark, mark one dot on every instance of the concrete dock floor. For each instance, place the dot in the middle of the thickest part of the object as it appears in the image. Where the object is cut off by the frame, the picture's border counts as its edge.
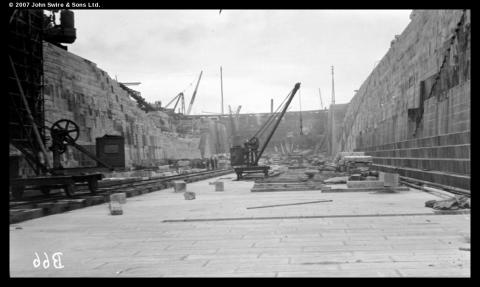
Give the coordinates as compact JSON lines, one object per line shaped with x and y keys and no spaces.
{"x":160,"y":234}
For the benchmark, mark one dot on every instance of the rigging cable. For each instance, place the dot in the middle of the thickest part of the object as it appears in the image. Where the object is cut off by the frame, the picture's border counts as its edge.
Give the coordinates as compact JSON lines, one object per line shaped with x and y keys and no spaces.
{"x":300,"y":103}
{"x":271,"y":118}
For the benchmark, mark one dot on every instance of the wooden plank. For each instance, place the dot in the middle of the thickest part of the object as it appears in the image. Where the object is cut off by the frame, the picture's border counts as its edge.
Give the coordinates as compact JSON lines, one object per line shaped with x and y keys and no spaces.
{"x":386,"y":189}
{"x":288,"y":204}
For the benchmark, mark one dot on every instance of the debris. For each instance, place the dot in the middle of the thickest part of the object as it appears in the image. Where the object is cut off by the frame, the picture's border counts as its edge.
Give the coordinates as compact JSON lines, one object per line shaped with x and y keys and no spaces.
{"x":355,"y":176}
{"x":457,"y":202}
{"x":336,"y":180}
{"x":311,"y":173}
{"x":287,"y":204}
{"x":329,"y":167}
{"x":189,"y":195}
{"x":464,"y":248}
{"x":355,"y":163}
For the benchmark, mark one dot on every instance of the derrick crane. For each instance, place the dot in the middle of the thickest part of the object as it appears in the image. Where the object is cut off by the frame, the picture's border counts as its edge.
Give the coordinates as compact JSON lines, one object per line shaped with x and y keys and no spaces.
{"x":180,"y":99}
{"x":245,"y":159}
{"x":194,"y":94}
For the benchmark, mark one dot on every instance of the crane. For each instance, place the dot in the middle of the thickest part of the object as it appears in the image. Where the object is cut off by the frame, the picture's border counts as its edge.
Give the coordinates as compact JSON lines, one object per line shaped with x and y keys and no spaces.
{"x":194,"y":94}
{"x":321,"y":102}
{"x":245,"y":159}
{"x":180,"y":99}
{"x":234,"y":125}
{"x":238,"y":111}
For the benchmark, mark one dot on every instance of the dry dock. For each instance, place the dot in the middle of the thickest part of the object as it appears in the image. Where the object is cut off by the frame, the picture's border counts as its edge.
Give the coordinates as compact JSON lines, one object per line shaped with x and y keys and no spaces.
{"x":160,"y":234}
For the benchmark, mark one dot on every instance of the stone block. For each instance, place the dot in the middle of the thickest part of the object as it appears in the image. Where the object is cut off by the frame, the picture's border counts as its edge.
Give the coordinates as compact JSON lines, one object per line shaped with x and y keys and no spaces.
{"x":336,"y":180}
{"x":389,"y":179}
{"x":365,"y":184}
{"x":180,"y":186}
{"x":189,"y":195}
{"x":219,"y":186}
{"x":119,"y":197}
{"x":357,"y":158}
{"x":115,"y":208}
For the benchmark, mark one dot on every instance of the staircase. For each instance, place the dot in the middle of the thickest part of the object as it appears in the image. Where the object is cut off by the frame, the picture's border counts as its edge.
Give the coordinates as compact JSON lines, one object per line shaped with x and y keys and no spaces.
{"x":443,"y":159}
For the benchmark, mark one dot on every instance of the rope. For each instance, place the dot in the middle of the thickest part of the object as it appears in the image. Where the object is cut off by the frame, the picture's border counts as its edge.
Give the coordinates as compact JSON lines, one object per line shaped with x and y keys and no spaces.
{"x":271,"y":118}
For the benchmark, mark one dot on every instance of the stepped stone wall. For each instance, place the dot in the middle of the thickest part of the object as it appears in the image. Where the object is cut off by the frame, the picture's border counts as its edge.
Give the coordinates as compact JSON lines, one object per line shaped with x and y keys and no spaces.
{"x":77,"y":89}
{"x":412,"y":114}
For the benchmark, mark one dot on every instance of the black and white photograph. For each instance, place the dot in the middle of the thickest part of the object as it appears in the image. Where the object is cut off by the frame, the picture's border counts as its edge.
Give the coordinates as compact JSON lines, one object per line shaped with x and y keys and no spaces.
{"x":227,"y":143}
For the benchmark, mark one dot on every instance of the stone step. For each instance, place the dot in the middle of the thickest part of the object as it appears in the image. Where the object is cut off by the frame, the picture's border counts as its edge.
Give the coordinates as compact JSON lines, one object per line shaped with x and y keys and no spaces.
{"x":444,"y":178}
{"x":457,"y":166}
{"x":441,"y":140}
{"x":451,"y":151}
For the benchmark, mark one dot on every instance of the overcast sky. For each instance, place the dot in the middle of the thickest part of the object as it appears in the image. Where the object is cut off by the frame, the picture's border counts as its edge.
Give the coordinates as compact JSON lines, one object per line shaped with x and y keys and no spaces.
{"x":263,"y":52}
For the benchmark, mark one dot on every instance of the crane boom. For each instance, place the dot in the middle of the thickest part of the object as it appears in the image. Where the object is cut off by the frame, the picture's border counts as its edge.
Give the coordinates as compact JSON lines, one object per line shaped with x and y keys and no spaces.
{"x":174,"y":98}
{"x":321,"y":102}
{"x":292,"y":94}
{"x":194,"y":94}
{"x":180,"y":98}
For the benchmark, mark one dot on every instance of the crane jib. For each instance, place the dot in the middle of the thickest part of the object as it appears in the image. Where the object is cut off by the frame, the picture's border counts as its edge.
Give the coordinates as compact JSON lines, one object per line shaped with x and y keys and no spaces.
{"x":294,"y":91}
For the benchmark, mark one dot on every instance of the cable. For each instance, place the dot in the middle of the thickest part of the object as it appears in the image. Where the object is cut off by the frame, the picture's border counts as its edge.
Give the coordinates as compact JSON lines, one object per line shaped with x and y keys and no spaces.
{"x":270,"y":118}
{"x":300,"y":103}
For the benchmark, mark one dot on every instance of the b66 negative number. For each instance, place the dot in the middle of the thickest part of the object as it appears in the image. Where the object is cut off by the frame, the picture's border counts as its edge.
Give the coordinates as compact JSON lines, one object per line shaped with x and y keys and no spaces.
{"x":56,"y":261}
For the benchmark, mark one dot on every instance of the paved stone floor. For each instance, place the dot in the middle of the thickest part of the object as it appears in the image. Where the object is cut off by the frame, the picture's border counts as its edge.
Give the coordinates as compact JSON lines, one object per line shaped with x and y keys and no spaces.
{"x":161,"y":234}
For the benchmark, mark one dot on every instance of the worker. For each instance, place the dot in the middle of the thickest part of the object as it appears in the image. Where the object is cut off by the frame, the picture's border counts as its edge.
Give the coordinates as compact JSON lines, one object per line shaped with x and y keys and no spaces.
{"x":215,"y":159}
{"x":212,"y":163}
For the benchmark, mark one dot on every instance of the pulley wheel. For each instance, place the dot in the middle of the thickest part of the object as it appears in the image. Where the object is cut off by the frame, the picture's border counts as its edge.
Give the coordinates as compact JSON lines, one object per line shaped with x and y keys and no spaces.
{"x":254,"y":142}
{"x":65,"y":131}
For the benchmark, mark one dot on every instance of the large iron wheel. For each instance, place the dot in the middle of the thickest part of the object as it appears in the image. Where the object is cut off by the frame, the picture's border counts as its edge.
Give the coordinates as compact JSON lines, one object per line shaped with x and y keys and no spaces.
{"x":254,"y":143}
{"x":65,"y":131}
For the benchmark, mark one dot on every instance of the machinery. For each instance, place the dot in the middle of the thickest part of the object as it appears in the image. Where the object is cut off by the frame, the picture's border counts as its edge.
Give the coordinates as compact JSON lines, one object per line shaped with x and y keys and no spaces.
{"x":28,"y":28}
{"x":180,"y":99}
{"x":64,"y":32}
{"x":244,"y":159}
{"x":63,"y":133}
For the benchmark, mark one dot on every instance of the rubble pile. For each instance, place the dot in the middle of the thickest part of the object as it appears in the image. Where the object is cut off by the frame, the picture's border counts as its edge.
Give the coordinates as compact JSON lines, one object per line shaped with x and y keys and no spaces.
{"x":454,"y":203}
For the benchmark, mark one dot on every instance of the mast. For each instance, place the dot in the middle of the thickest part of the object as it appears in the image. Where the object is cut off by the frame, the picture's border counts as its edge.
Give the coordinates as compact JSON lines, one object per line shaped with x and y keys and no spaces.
{"x":221,"y":86}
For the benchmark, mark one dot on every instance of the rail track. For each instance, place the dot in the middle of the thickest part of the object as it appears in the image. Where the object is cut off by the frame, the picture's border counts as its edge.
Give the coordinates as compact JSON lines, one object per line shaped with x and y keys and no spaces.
{"x":35,"y":206}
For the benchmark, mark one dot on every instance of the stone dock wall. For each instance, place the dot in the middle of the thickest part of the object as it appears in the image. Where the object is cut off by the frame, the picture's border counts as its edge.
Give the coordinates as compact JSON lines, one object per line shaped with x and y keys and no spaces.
{"x":77,"y":89}
{"x":413,"y":111}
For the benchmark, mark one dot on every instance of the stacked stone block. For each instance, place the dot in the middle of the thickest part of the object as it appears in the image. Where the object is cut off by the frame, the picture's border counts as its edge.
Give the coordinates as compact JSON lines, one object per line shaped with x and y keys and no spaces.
{"x":77,"y":89}
{"x":412,"y":114}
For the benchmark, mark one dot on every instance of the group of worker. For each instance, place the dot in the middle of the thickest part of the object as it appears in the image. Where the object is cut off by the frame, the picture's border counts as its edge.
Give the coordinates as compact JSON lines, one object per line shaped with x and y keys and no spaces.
{"x":211,"y":163}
